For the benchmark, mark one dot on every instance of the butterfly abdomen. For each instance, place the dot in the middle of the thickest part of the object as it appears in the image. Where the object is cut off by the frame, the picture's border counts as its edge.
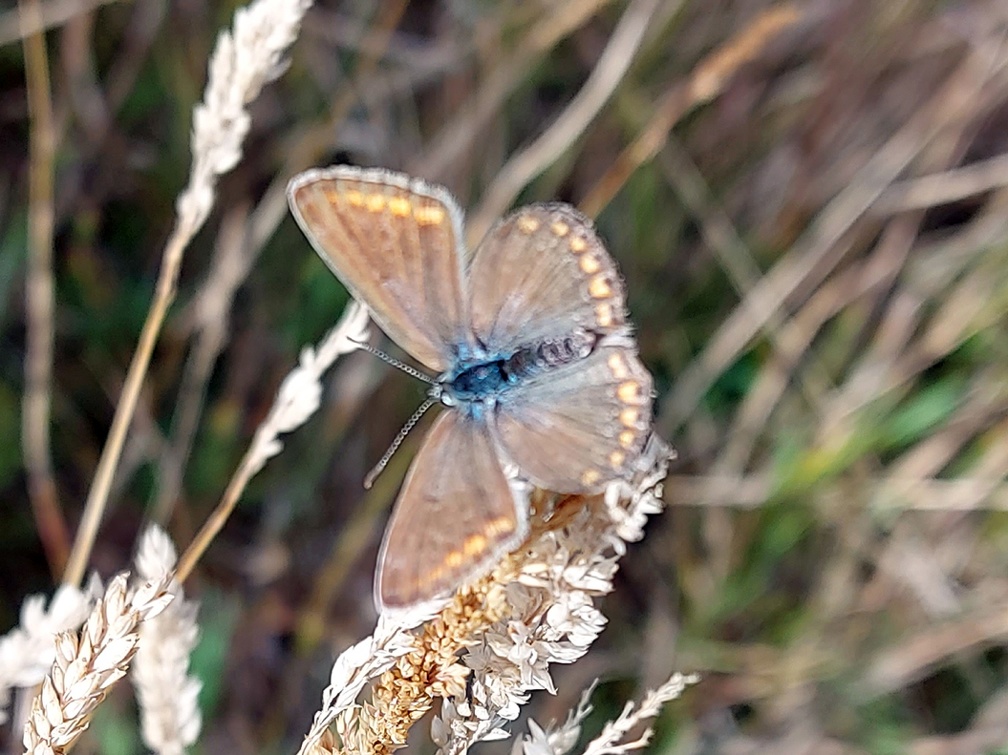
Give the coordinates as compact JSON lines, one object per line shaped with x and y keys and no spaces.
{"x":491,"y":377}
{"x":554,"y":352}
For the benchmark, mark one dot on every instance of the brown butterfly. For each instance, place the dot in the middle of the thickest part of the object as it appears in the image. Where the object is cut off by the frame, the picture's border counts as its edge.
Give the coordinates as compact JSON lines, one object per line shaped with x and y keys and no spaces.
{"x":534,"y":356}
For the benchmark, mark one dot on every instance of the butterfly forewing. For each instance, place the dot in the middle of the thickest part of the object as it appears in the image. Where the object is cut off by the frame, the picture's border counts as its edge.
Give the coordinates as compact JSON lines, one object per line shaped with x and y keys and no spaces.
{"x":581,"y":425}
{"x":542,"y":272}
{"x":394,"y":243}
{"x":456,"y":515}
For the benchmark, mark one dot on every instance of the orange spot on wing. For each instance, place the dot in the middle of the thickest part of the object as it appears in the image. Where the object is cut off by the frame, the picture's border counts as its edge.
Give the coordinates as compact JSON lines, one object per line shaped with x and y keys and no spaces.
{"x":399,"y":206}
{"x":617,"y":366}
{"x":604,"y":315}
{"x":527,"y":224}
{"x":629,"y":392}
{"x":429,"y":215}
{"x":599,"y":288}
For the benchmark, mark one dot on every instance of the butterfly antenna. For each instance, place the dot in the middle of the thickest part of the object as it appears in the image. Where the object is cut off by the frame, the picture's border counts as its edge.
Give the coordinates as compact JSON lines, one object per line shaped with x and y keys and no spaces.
{"x":412,"y":371}
{"x":410,"y":424}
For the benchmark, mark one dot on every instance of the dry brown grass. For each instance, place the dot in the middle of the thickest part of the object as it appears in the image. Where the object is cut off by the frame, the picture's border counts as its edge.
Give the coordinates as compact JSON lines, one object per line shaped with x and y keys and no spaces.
{"x":808,"y":203}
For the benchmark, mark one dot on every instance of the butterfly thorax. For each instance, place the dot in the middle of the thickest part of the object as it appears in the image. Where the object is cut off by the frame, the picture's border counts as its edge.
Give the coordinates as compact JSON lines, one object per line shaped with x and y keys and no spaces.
{"x":477,"y":379}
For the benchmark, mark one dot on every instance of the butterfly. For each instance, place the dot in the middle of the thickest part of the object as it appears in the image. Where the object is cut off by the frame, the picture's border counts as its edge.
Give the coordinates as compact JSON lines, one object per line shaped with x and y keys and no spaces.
{"x":536,"y":364}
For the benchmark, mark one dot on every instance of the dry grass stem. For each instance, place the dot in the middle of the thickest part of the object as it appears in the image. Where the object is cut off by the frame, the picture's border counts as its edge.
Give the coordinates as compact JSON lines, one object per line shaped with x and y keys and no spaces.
{"x":297,"y":399}
{"x":915,"y":656}
{"x":820,"y":250}
{"x":88,"y":664}
{"x":891,"y":493}
{"x":738,"y":262}
{"x":945,"y":187}
{"x":14,"y":26}
{"x":527,"y":163}
{"x":210,"y":315}
{"x":169,"y":714}
{"x":316,"y":140}
{"x":710,"y":77}
{"x":707,"y":82}
{"x":458,"y":135}
{"x":793,"y":339}
{"x":243,"y":62}
{"x":39,"y":304}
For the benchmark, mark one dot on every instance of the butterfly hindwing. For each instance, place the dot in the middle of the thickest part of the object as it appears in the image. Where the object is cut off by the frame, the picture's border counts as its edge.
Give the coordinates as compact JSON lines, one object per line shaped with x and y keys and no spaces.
{"x":576,"y":427}
{"x":456,"y":515}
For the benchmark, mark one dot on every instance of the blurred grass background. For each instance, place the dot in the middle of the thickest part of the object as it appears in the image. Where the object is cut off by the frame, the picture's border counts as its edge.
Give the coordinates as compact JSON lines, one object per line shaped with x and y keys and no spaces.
{"x":812,"y":224}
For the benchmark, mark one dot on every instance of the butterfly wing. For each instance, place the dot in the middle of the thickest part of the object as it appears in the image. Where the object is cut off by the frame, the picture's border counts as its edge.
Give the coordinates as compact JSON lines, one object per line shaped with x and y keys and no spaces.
{"x":394,"y":242}
{"x":578,"y":426}
{"x":456,"y":515}
{"x":540,"y":273}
